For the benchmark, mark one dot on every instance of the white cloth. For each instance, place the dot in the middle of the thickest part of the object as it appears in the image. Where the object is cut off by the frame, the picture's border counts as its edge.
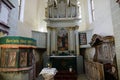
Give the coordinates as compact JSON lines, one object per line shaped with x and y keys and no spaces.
{"x":48,"y":73}
{"x":51,"y":71}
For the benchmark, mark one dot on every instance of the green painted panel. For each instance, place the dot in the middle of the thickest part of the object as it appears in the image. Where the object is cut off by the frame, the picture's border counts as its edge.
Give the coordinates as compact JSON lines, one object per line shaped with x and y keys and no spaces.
{"x":17,"y":40}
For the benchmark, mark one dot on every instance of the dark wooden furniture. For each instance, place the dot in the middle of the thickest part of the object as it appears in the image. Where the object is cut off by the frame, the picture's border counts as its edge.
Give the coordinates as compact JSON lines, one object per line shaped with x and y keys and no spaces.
{"x":63,"y":63}
{"x":105,"y":49}
{"x":65,"y":75}
{"x":105,"y":54}
{"x":17,"y":57}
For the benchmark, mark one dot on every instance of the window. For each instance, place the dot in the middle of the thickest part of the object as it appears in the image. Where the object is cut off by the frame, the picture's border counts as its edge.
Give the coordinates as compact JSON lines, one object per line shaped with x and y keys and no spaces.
{"x":79,"y":11}
{"x":92,"y":10}
{"x":21,"y":9}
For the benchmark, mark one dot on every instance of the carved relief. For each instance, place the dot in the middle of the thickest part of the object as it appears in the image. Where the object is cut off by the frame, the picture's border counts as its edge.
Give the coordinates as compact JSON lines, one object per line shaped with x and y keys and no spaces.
{"x":12,"y":59}
{"x":23,"y":59}
{"x":63,"y":8}
{"x":105,"y":54}
{"x":105,"y":51}
{"x":9,"y":57}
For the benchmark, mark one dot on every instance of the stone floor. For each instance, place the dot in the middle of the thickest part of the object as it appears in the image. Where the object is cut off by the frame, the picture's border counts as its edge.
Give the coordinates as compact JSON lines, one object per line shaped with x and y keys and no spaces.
{"x":40,"y":78}
{"x":80,"y":77}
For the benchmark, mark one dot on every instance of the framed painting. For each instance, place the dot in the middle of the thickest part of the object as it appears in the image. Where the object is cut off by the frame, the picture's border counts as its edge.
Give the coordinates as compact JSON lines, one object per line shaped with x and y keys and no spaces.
{"x":3,"y":58}
{"x":12,"y":59}
{"x":23,"y":59}
{"x":62,"y":39}
{"x":9,"y":57}
{"x":30,"y":57}
{"x":82,"y":38}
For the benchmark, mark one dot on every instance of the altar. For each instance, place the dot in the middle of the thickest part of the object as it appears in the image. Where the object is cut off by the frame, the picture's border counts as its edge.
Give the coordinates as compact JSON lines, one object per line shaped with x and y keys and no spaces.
{"x":64,"y":63}
{"x":63,"y":21}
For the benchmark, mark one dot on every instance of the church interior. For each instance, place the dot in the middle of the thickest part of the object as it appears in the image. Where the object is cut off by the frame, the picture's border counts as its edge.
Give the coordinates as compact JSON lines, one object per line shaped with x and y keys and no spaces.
{"x":59,"y":39}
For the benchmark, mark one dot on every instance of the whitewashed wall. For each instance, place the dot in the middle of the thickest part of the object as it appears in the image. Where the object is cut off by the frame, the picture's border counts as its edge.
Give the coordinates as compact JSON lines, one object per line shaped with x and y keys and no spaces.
{"x":29,"y":22}
{"x":103,"y":20}
{"x":41,"y":39}
{"x":4,"y":13}
{"x":102,"y":25}
{"x":13,"y":19}
{"x":89,"y":54}
{"x":115,"y":10}
{"x":84,"y":24}
{"x":34,"y":16}
{"x":41,"y":16}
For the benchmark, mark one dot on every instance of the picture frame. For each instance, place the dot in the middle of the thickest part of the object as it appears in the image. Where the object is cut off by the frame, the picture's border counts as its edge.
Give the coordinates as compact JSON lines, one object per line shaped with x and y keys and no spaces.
{"x":82,"y":39}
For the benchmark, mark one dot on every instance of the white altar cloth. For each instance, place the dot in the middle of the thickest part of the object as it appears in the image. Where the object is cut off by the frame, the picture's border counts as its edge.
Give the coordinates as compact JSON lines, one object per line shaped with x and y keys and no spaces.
{"x":48,"y":73}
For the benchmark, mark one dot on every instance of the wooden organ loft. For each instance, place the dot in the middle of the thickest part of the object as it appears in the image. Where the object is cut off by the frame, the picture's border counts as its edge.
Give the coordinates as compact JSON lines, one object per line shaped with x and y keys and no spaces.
{"x":63,"y":9}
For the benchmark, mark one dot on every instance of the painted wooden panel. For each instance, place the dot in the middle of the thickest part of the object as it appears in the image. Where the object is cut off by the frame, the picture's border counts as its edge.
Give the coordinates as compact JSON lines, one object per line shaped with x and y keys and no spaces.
{"x":23,"y":59}
{"x":62,"y":39}
{"x":9,"y":57}
{"x":41,"y":39}
{"x":94,"y":70}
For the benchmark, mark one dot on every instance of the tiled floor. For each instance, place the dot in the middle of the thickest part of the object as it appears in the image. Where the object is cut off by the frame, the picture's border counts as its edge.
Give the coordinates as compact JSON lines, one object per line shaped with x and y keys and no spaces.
{"x":80,"y":77}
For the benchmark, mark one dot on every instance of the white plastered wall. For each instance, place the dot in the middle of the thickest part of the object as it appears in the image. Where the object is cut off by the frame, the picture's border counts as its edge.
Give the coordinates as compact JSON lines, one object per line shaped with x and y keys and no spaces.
{"x":103,"y":21}
{"x":35,"y":14}
{"x":115,"y":10}
{"x":31,"y":18}
{"x":13,"y":19}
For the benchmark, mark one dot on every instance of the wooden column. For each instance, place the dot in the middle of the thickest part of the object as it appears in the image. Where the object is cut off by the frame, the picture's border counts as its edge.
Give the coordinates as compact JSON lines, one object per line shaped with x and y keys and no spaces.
{"x":77,"y":41}
{"x":53,"y":39}
{"x":71,"y":38}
